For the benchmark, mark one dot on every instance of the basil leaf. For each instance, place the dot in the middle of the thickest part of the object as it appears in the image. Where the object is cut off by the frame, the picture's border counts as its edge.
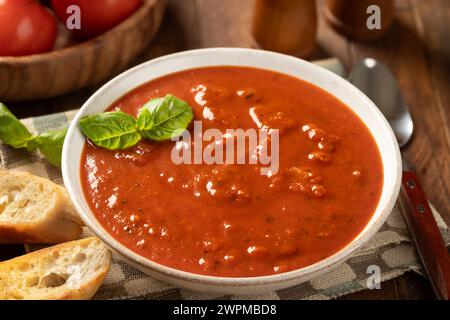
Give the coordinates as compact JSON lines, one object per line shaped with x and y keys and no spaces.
{"x":15,"y":134}
{"x":164,"y":118}
{"x":111,"y":130}
{"x":50,"y":144}
{"x":12,"y":131}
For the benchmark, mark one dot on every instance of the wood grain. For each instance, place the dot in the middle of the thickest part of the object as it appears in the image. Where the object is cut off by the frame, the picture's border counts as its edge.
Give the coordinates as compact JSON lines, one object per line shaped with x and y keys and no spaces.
{"x":416,"y":48}
{"x":88,"y":63}
{"x":407,"y":55}
{"x":433,"y":24}
{"x":417,"y":51}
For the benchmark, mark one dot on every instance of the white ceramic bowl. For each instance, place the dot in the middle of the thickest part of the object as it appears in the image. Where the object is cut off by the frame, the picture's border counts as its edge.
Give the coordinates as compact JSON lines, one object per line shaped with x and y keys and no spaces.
{"x":309,"y":72}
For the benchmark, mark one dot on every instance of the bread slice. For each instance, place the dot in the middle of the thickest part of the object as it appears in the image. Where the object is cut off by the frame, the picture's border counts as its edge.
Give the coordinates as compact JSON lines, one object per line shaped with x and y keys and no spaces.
{"x":35,"y":210}
{"x":69,"y":271}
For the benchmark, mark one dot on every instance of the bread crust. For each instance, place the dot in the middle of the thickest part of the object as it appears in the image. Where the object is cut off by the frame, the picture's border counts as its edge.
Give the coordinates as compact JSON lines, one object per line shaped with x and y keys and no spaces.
{"x":60,"y":223}
{"x":13,"y":276}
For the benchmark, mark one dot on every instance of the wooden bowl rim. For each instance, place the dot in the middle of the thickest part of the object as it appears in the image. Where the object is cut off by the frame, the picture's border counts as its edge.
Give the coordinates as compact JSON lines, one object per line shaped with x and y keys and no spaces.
{"x":129,"y":22}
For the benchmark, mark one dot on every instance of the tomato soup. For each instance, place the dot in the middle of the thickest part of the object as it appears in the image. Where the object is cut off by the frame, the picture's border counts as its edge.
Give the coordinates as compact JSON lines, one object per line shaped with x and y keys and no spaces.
{"x":228,"y":219}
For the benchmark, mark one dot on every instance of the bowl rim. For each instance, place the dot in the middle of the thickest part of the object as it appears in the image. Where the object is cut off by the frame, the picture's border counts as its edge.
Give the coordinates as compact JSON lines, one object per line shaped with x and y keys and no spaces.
{"x":154,"y":267}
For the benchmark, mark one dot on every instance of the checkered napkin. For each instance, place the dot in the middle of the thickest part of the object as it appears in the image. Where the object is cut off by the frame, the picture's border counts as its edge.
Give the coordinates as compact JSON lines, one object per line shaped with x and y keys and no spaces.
{"x":390,"y":249}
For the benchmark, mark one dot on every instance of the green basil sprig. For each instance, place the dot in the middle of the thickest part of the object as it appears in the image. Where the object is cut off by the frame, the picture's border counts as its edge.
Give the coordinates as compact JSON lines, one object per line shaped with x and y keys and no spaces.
{"x":12,"y":131}
{"x":164,"y":118}
{"x":160,"y":119}
{"x":50,"y":144}
{"x":111,"y":130}
{"x":16,"y":135}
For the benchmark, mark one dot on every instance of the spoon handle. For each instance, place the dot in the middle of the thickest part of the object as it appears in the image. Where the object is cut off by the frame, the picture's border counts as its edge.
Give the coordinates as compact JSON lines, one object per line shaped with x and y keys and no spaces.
{"x":426,"y":235}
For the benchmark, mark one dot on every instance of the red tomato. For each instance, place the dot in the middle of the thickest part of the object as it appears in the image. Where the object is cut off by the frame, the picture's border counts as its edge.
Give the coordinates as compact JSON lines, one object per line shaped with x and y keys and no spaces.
{"x":96,"y":16}
{"x":25,"y":28}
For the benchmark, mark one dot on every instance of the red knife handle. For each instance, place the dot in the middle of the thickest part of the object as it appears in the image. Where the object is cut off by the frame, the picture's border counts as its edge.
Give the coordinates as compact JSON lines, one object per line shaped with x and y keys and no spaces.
{"x":426,"y":235}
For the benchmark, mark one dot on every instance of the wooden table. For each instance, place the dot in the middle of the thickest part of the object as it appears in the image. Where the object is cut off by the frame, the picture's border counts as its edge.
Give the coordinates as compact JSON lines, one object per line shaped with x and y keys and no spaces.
{"x":417,"y":49}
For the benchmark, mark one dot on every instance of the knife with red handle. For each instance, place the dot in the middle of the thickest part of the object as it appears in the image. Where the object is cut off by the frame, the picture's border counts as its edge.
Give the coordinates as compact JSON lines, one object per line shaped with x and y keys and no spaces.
{"x":426,"y":235}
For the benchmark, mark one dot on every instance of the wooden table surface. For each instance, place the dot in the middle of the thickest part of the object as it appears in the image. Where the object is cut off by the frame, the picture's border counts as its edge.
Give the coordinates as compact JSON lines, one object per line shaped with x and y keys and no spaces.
{"x":417,"y":49}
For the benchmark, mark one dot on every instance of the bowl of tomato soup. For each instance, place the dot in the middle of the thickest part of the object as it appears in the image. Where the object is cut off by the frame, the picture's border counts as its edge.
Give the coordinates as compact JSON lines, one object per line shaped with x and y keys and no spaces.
{"x":211,"y":221}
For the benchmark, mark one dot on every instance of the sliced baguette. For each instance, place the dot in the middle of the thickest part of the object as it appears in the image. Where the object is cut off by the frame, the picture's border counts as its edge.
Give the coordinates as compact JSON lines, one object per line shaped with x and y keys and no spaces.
{"x":35,"y":210}
{"x":69,"y":271}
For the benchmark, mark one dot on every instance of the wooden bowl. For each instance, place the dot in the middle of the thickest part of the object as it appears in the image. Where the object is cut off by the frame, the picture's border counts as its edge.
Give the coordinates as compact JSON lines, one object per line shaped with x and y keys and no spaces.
{"x":84,"y":64}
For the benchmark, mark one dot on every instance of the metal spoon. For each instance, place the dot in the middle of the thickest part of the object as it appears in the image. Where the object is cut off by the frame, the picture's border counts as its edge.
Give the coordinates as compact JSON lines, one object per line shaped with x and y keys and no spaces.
{"x":379,"y":84}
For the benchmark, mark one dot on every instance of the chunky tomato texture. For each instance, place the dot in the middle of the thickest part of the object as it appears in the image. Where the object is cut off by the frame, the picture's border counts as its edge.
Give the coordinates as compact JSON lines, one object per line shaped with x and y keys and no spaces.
{"x":96,"y":16}
{"x":229,"y":220}
{"x":26,"y":28}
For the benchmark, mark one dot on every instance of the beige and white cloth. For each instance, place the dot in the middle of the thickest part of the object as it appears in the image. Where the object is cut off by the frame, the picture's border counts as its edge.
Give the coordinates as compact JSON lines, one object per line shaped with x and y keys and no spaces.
{"x":390,"y":249}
